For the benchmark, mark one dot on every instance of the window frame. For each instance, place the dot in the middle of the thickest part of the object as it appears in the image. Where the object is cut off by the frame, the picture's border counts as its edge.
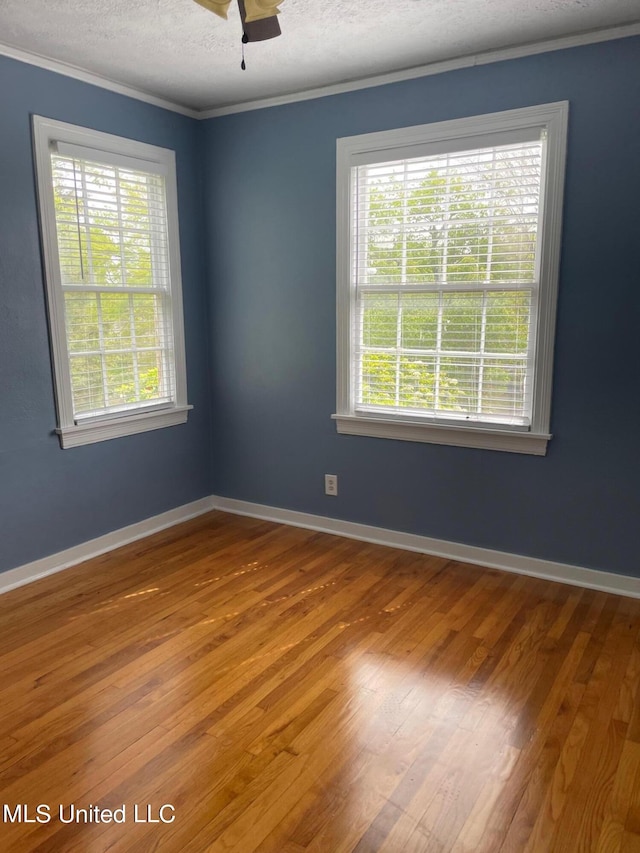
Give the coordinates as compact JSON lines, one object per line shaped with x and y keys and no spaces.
{"x":390,"y":145}
{"x":75,"y":430}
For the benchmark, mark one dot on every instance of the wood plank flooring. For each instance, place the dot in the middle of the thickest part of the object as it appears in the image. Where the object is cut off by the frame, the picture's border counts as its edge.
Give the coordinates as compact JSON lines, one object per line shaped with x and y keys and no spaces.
{"x":286,"y":691}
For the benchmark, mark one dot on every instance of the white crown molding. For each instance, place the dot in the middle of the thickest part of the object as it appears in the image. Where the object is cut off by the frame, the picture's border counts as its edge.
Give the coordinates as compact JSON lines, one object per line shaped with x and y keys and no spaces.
{"x":486,"y":58}
{"x":485,"y":557}
{"x":68,"y":70}
{"x":77,"y":73}
{"x":94,"y":547}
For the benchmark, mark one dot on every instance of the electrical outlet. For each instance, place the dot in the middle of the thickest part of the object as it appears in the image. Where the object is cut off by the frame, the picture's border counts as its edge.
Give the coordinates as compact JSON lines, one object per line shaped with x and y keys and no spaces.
{"x":331,"y":484}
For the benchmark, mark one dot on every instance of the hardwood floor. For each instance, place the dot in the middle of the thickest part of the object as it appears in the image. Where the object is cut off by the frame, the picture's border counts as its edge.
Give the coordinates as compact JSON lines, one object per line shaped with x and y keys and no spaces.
{"x":293,"y":692}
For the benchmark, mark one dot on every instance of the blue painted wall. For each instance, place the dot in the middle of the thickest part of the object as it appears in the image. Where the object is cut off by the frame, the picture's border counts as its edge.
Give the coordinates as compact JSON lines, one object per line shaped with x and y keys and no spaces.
{"x":51,"y":499}
{"x":257,"y":221}
{"x":270,"y":181}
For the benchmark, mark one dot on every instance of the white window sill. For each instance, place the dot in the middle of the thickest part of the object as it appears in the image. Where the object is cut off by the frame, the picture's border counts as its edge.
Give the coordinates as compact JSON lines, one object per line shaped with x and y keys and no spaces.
{"x":103,"y":430}
{"x":458,"y":436}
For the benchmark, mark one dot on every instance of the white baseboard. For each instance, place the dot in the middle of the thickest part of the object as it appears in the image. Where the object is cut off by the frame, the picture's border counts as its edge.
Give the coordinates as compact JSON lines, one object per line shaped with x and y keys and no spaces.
{"x":559,"y":572}
{"x":94,"y":547}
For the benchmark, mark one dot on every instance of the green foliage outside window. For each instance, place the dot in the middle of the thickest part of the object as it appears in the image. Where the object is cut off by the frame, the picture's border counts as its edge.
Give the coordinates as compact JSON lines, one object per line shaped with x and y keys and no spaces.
{"x":461,"y":351}
{"x":114,"y":338}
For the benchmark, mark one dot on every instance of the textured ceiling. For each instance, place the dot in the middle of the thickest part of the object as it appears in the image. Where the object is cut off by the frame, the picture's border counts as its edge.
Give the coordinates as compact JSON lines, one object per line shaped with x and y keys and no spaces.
{"x":177,"y":50}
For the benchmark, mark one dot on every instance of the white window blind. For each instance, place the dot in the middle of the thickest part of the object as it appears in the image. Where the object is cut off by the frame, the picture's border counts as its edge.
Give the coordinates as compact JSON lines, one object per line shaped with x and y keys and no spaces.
{"x":445,"y":276}
{"x":111,"y":225}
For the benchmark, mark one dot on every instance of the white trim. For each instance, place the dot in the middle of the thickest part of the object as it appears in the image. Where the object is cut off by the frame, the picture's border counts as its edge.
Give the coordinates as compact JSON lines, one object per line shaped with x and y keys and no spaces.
{"x":417,"y":140}
{"x":148,"y":158}
{"x":515,"y":563}
{"x":94,"y":547}
{"x":103,"y":155}
{"x":76,"y":73}
{"x":69,"y":136}
{"x":461,"y":436}
{"x":468,"y":61}
{"x":550,"y":252}
{"x":88,"y":432}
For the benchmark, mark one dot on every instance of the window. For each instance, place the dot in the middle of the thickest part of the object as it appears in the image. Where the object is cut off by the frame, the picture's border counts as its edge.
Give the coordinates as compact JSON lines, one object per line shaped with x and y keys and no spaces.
{"x":448,"y":254}
{"x":109,"y":223}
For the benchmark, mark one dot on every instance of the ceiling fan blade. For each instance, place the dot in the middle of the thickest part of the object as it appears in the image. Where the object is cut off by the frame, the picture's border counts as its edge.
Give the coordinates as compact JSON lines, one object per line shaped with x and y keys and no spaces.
{"x":218,"y":7}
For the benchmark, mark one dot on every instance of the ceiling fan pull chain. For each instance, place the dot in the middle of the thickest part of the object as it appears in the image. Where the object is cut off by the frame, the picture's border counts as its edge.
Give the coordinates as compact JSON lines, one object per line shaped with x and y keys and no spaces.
{"x":243,"y":64}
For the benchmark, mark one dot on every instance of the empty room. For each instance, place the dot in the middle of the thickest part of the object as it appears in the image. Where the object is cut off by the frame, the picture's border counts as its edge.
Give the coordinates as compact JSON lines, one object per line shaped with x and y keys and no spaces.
{"x":319,"y":394}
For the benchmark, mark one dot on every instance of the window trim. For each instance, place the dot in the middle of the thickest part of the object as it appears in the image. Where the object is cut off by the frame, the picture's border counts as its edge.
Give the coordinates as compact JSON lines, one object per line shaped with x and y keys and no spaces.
{"x":73,"y":431}
{"x":412,"y":141}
